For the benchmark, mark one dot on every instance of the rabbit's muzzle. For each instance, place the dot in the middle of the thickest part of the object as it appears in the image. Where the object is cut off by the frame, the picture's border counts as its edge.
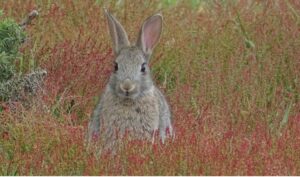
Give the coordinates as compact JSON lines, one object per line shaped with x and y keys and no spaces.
{"x":128,"y":87}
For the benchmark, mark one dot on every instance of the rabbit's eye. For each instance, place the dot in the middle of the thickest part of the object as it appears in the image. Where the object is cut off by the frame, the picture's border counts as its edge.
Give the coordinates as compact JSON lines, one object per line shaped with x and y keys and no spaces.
{"x":143,"y":69}
{"x":116,"y":66}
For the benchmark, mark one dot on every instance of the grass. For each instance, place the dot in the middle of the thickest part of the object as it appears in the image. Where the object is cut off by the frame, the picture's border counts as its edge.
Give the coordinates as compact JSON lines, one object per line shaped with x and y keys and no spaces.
{"x":230,"y":70}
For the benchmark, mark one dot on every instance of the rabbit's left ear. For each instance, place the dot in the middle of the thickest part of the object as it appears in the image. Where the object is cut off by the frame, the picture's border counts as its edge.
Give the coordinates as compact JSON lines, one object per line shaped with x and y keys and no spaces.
{"x":150,"y":33}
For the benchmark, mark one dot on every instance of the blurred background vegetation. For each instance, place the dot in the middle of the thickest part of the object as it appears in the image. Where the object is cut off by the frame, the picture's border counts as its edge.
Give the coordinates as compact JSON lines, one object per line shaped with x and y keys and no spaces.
{"x":230,"y":70}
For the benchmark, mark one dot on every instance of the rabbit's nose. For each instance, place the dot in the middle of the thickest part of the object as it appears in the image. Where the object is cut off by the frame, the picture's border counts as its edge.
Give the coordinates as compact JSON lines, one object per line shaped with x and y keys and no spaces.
{"x":127,"y":86}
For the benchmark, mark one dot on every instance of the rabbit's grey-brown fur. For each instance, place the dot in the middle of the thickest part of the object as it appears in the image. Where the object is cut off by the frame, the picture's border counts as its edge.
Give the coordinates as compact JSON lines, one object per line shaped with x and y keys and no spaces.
{"x":130,"y":101}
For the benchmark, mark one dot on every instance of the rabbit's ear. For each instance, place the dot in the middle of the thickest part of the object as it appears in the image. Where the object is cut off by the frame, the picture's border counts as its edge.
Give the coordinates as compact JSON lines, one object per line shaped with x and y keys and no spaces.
{"x":117,"y":32}
{"x":150,"y":33}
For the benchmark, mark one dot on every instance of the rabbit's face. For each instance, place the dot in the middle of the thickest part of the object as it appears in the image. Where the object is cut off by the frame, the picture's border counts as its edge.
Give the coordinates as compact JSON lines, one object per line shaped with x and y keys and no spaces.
{"x":131,"y":77}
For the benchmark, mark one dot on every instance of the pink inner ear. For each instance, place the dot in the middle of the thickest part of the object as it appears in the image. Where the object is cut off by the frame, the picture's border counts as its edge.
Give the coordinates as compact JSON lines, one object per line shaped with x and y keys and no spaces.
{"x":151,"y":33}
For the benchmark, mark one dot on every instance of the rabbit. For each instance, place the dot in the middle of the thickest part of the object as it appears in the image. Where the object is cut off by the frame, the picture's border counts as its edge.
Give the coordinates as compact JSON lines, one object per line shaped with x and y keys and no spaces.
{"x":131,"y":102}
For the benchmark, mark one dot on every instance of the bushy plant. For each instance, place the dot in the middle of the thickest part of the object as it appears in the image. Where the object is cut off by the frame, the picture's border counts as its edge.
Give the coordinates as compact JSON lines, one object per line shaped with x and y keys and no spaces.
{"x":11,"y":37}
{"x":14,"y":86}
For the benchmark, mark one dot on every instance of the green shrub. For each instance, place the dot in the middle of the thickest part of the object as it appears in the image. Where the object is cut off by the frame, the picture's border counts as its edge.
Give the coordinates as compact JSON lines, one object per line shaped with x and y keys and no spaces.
{"x":11,"y":37}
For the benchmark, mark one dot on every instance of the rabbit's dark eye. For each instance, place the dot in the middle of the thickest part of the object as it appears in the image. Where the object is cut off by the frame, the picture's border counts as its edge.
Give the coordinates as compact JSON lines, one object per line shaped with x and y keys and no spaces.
{"x":116,"y":66}
{"x":143,"y":69}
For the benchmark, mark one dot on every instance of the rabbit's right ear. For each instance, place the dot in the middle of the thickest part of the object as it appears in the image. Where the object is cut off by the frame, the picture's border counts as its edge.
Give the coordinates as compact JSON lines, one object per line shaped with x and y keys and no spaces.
{"x":117,"y":33}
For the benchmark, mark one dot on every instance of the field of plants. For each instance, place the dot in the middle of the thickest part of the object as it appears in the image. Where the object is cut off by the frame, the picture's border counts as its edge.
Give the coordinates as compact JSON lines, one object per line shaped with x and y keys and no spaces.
{"x":229,"y":69}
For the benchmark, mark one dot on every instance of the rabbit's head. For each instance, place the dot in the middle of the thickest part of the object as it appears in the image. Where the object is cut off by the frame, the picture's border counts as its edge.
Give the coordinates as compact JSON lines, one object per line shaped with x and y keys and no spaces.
{"x":131,"y":77}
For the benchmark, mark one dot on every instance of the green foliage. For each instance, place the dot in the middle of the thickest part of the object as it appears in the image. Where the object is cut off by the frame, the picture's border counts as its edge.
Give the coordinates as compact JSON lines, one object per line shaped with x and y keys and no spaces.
{"x":7,"y":69}
{"x":11,"y":37}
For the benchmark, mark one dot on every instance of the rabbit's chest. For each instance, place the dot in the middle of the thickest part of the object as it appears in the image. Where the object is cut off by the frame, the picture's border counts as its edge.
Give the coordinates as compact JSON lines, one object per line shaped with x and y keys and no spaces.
{"x":141,"y":117}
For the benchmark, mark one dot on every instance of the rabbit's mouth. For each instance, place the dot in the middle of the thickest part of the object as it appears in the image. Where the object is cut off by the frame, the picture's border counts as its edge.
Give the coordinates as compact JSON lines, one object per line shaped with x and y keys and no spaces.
{"x":128,"y":89}
{"x":133,"y":94}
{"x":128,"y":95}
